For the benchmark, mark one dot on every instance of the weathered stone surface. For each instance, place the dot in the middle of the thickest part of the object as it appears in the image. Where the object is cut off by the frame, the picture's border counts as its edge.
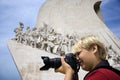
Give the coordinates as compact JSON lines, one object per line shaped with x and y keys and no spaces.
{"x":79,"y":17}
{"x":28,"y":61}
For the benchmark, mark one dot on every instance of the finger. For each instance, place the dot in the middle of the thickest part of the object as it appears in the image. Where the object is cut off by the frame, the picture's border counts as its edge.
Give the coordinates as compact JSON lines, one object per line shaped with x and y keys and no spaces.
{"x":62,"y":60}
{"x":60,"y":68}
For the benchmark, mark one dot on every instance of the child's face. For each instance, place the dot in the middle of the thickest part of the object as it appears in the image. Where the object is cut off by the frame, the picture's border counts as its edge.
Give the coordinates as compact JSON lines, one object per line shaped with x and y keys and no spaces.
{"x":86,"y":59}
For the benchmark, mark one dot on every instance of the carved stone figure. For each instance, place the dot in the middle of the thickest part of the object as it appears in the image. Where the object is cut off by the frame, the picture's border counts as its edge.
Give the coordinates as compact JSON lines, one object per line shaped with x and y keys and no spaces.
{"x":19,"y":32}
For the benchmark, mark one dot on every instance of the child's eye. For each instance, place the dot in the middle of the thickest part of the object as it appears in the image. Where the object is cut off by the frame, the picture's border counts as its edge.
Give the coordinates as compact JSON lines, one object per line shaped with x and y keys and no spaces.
{"x":77,"y":54}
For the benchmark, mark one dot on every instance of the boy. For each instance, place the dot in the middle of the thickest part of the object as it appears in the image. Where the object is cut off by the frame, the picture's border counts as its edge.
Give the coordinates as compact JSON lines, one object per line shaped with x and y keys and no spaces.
{"x":91,"y":54}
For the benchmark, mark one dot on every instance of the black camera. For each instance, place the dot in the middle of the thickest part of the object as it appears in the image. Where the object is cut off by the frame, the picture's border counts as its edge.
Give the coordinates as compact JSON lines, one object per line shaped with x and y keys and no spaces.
{"x":56,"y":62}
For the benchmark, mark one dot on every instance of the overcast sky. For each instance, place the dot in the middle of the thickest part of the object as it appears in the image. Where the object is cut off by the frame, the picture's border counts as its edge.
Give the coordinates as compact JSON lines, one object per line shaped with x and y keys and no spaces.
{"x":14,"y":11}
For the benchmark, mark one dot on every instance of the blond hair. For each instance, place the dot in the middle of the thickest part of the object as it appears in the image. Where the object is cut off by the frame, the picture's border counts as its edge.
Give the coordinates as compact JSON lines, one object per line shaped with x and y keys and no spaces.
{"x":87,"y":42}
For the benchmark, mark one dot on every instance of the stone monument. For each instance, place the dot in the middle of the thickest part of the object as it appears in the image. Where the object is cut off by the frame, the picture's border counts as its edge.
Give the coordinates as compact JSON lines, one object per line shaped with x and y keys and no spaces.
{"x":60,"y":23}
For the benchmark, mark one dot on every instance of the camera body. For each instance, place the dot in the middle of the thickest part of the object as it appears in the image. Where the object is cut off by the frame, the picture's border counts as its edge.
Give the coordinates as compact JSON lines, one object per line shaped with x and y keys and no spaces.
{"x":56,"y":62}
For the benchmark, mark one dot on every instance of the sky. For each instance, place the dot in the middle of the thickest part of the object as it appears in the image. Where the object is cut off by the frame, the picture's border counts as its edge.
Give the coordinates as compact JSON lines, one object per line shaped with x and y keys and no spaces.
{"x":111,"y":13}
{"x":14,"y":11}
{"x":11,"y":13}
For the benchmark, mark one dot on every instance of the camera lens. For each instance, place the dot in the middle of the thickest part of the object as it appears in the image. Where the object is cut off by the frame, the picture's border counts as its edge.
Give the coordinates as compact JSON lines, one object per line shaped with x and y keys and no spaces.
{"x":55,"y":63}
{"x":50,"y":63}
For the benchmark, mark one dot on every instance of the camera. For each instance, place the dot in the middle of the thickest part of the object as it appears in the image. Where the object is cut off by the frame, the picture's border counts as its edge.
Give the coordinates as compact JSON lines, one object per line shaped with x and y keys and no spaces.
{"x":56,"y":62}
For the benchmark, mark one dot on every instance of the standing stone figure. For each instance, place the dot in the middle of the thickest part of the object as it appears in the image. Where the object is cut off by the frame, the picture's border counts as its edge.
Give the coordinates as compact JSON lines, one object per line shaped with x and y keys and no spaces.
{"x":27,"y":36}
{"x":19,"y":32}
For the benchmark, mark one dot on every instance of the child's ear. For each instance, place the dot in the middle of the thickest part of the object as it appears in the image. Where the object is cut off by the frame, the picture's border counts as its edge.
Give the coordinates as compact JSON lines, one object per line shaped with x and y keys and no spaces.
{"x":94,"y":48}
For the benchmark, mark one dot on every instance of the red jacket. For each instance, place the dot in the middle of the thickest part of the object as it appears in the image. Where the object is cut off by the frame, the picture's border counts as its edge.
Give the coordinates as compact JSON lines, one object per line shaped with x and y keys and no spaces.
{"x":103,"y":72}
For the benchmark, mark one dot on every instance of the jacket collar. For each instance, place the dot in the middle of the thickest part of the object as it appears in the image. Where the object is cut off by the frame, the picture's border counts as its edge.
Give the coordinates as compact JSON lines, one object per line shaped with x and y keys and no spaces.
{"x":103,"y":63}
